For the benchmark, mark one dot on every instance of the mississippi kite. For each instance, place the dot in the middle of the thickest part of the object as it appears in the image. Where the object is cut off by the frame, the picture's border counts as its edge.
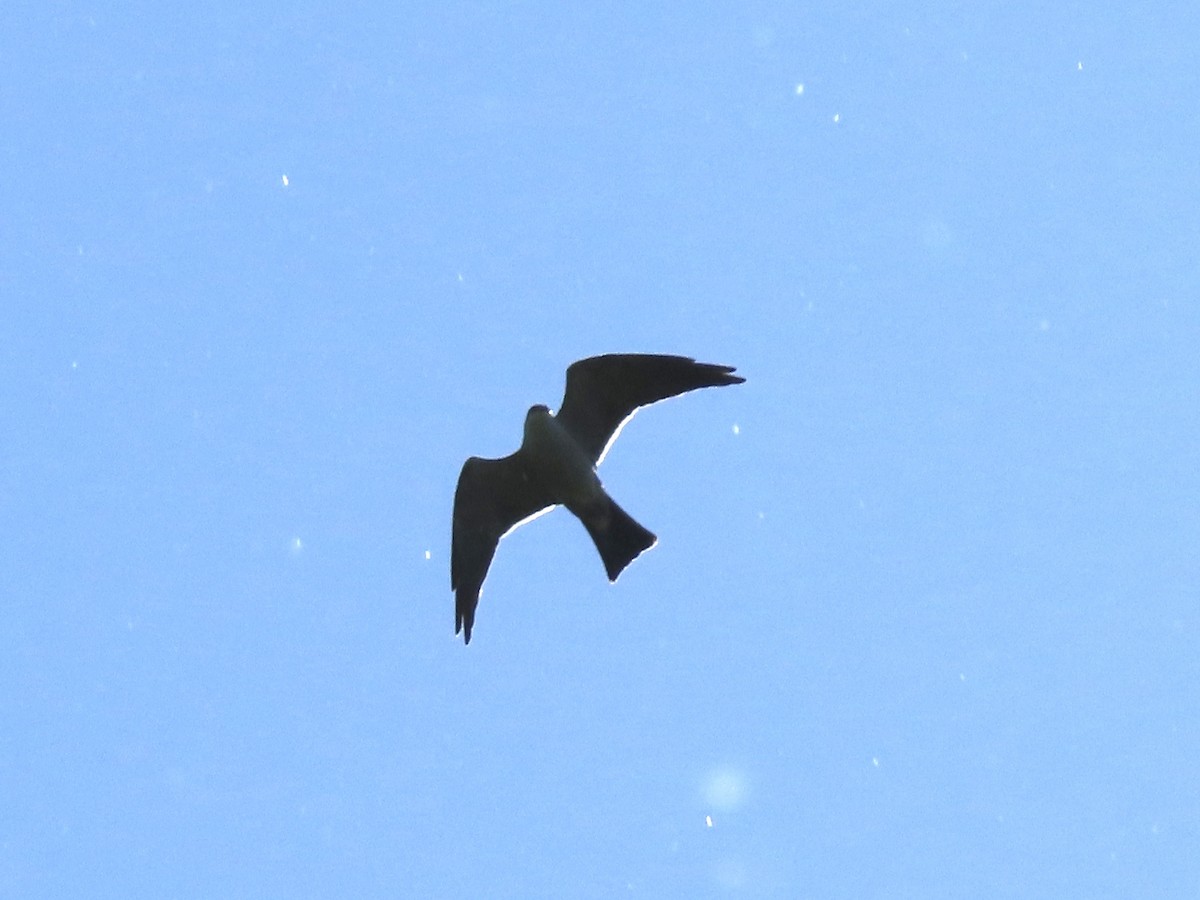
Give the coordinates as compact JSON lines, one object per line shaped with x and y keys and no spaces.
{"x":556,"y":465}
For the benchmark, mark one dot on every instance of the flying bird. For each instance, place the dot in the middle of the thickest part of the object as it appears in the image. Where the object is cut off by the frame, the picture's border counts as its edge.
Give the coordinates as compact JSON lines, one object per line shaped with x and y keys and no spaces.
{"x":556,"y":466}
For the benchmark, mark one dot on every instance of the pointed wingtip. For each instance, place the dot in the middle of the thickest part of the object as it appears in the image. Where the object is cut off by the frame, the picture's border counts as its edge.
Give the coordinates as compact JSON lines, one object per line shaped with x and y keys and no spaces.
{"x":463,"y":628}
{"x":727,"y":376}
{"x":716,"y":375}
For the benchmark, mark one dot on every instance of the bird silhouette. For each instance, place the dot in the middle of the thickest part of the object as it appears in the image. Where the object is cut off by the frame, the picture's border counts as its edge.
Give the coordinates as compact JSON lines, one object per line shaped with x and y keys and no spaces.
{"x":556,"y":466}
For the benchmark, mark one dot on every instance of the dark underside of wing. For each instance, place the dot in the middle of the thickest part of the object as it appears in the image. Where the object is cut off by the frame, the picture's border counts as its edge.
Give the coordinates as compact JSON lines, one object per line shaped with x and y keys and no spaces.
{"x":603,"y":391}
{"x":492,"y":497}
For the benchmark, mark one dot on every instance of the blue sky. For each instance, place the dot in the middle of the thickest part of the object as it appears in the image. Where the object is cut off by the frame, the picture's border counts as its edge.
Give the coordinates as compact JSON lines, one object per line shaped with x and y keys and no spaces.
{"x":922,"y":620}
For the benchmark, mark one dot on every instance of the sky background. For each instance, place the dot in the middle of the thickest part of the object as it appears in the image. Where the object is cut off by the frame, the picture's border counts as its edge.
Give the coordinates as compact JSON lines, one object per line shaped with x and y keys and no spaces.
{"x":923,"y":617}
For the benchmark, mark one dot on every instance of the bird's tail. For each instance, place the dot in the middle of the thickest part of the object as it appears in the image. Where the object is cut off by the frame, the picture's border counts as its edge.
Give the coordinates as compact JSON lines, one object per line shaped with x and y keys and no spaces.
{"x":617,"y":535}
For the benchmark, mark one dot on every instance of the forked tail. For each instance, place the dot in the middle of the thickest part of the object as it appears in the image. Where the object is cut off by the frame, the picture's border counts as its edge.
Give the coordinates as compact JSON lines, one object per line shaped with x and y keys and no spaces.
{"x":617,"y":535}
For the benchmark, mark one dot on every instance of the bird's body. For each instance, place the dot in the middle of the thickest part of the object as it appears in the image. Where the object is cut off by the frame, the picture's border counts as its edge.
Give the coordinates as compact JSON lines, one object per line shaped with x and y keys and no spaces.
{"x":560,"y":463}
{"x":556,"y":465}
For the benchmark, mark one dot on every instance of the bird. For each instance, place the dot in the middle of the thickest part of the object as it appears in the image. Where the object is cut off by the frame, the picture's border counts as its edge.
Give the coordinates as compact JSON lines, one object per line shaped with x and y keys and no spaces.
{"x":556,"y":466}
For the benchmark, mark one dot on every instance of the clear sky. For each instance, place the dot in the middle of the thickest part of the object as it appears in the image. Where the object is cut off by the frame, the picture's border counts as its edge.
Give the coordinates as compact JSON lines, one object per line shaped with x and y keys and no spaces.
{"x":923,"y":618}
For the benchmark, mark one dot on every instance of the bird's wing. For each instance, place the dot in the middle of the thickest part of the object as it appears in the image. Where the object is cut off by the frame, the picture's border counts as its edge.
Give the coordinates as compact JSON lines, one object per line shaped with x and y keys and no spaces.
{"x":604,"y":391}
{"x":493,"y":497}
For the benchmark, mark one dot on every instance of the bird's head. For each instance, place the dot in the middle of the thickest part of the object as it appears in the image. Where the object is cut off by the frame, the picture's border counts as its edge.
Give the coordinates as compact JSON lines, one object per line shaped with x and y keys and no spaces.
{"x":536,"y":413}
